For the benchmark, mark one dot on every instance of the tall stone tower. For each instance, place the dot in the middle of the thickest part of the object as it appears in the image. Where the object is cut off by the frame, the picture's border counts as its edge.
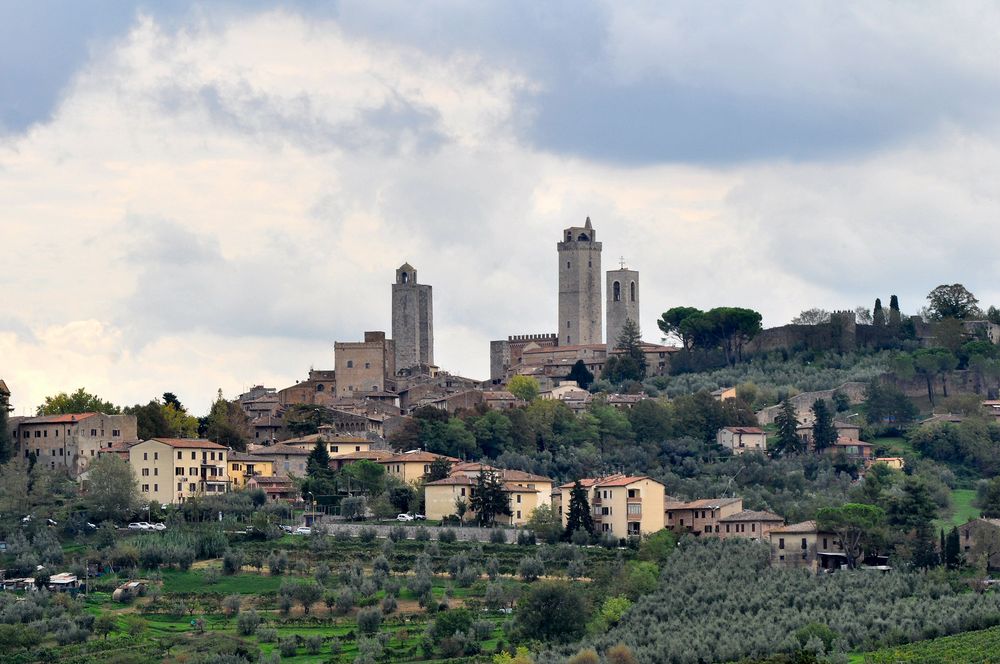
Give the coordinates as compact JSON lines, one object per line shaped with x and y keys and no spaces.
{"x":579,"y":286}
{"x":623,"y":301}
{"x":412,"y":319}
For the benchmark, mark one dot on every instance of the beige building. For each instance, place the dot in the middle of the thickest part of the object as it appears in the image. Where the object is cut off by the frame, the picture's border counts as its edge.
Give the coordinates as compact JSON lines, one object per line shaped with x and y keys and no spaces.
{"x":974,"y":532}
{"x":622,"y":506}
{"x":71,"y":441}
{"x":171,"y":470}
{"x":411,"y":467}
{"x":243,"y":466}
{"x":275,"y":487}
{"x":320,"y":388}
{"x":338,"y":461}
{"x":526,"y":491}
{"x":803,"y":545}
{"x":700,"y":517}
{"x":333,"y":444}
{"x":749,"y":524}
{"x":365,"y":366}
{"x":287,"y":460}
{"x":742,"y":439}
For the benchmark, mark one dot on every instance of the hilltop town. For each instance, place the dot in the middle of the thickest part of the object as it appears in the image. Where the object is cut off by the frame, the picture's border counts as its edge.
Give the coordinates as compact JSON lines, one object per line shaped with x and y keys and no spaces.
{"x":405,"y":512}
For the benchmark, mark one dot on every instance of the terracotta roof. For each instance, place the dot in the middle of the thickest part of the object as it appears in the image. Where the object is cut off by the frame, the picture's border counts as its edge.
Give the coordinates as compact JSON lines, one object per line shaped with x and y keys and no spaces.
{"x":243,"y":456}
{"x":373,"y":455}
{"x":801,"y":527}
{"x":453,"y":480}
{"x":57,"y":419}
{"x":275,"y":479}
{"x":750,"y":515}
{"x":624,"y":480}
{"x":499,"y":394}
{"x":522,"y":476}
{"x":190,"y":443}
{"x":702,"y":504}
{"x":753,"y":430}
{"x":417,"y":456}
{"x":585,"y":482}
{"x":268,"y":450}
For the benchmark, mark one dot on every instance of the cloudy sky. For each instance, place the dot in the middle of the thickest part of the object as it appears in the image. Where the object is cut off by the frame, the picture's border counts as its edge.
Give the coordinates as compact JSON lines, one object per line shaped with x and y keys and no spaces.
{"x":208,"y":196}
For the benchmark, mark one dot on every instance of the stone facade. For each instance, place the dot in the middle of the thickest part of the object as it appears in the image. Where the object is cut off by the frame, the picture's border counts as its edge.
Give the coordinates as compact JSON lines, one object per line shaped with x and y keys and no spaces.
{"x":507,"y":353}
{"x":622,"y":301}
{"x":320,"y":388}
{"x":412,"y":319}
{"x":365,"y":366}
{"x":580,"y":319}
{"x":70,"y":441}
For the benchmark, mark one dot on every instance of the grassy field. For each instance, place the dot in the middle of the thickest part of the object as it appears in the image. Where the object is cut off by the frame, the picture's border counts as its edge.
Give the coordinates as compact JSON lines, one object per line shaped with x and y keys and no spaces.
{"x":962,"y":509}
{"x":897,"y":446}
{"x":971,"y":647}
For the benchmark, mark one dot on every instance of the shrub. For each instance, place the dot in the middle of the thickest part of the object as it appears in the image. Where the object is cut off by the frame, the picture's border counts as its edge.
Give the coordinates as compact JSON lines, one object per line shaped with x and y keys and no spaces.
{"x":586,"y":656}
{"x":211,"y":575}
{"x":450,"y":623}
{"x":388,"y":604}
{"x":580,"y":537}
{"x":447,"y":536}
{"x":552,"y":611}
{"x":248,"y":622}
{"x":369,"y":620}
{"x":277,"y":563}
{"x":288,"y":646}
{"x":397,"y":533}
{"x":421,"y":534}
{"x":467,"y":576}
{"x":482,"y":629}
{"x":345,"y":600}
{"x":232,"y":561}
{"x":530,"y":568}
{"x":367,"y":535}
{"x":381,"y":566}
{"x":341,"y":534}
{"x":526,"y":538}
{"x":314,"y":644}
{"x":231,"y":604}
{"x":620,"y":654}
{"x":498,"y":536}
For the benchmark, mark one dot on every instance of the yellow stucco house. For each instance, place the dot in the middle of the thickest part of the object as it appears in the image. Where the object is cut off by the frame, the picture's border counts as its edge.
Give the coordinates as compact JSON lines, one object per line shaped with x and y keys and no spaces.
{"x":334,"y":444}
{"x":243,"y":466}
{"x":412,"y":466}
{"x":621,"y":505}
{"x":170,"y":470}
{"x":525,"y":490}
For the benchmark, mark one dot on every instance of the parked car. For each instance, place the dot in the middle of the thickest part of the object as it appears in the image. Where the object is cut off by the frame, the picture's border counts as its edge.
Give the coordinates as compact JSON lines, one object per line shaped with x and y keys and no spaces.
{"x":159,"y":526}
{"x":287,"y":529}
{"x":419,"y":517}
{"x":404,"y":517}
{"x":303,"y":530}
{"x":138,"y":525}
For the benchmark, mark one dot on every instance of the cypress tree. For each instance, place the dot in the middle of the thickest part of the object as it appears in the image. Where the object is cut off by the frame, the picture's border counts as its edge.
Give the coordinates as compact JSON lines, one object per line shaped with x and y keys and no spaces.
{"x":788,"y":440}
{"x":579,"y":512}
{"x":894,"y":315}
{"x":6,"y":442}
{"x":878,"y":315}
{"x":952,"y":548}
{"x":824,"y":431}
{"x":318,"y":463}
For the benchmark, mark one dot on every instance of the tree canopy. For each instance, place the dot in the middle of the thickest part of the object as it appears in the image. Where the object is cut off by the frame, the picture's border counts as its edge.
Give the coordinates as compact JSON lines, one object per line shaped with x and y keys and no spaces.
{"x":725,"y":328}
{"x":952,"y":301}
{"x":854,"y":524}
{"x":80,"y":401}
{"x":112,"y":492}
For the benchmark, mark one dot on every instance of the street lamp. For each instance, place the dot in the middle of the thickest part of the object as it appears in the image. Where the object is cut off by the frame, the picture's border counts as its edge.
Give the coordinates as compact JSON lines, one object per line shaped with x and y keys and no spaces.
{"x":310,"y":493}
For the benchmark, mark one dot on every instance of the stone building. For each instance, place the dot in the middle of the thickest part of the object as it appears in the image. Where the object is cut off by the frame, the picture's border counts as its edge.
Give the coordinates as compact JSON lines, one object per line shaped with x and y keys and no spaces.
{"x":320,"y":388}
{"x":365,"y":366}
{"x":412,"y":320}
{"x":580,"y":286}
{"x":507,"y":353}
{"x":622,"y":300}
{"x":71,"y":441}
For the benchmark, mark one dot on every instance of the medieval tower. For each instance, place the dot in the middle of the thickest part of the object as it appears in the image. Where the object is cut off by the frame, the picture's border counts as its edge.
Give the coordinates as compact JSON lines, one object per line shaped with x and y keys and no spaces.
{"x":579,"y":286}
{"x":623,"y":301}
{"x":412,"y":319}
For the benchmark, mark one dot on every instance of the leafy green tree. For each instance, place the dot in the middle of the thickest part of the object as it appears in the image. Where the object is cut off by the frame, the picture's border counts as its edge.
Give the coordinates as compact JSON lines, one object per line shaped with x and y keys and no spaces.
{"x":630,"y":364}
{"x":523,"y":387}
{"x":824,"y":430}
{"x":887,"y":403}
{"x":578,"y":516}
{"x":854,"y":524}
{"x":671,"y":321}
{"x":451,"y":437}
{"x":449,"y":623}
{"x":304,"y":419}
{"x":932,"y":362}
{"x":787,"y":440}
{"x":439,"y":469}
{"x":365,"y":476}
{"x":651,"y":421}
{"x":552,"y":611}
{"x":735,"y":327}
{"x":544,"y":522}
{"x":988,"y":498}
{"x":812,"y":317}
{"x":80,"y":401}
{"x":993,"y":315}
{"x":227,"y":424}
{"x":112,"y":491}
{"x":490,"y":499}
{"x":493,"y":432}
{"x":914,"y":507}
{"x":581,"y":374}
{"x":952,"y":301}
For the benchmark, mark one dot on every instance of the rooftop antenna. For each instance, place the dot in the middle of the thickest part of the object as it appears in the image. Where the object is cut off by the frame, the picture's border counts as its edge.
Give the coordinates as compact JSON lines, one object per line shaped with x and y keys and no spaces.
{"x":621,"y":261}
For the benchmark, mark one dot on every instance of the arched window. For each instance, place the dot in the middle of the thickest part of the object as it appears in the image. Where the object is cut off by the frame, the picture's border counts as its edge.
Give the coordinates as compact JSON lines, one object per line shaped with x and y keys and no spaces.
{"x":320,"y":387}
{"x":583,"y":237}
{"x":616,"y":290}
{"x":404,"y":278}
{"x":631,"y":294}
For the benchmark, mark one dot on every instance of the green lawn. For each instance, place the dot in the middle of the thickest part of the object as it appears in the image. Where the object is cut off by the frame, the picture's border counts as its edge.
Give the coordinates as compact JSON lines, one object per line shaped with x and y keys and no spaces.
{"x":961,"y":502}
{"x":898,"y":446}
{"x":193,"y":582}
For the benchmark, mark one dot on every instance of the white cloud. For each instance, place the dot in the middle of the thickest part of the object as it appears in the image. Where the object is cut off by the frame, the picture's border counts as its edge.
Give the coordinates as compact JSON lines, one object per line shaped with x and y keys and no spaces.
{"x":213,"y":206}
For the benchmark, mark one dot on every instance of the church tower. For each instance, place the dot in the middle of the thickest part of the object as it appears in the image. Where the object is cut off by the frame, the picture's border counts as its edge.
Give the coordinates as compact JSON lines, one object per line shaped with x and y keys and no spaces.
{"x":412,"y":319}
{"x":623,"y":301}
{"x":579,"y":286}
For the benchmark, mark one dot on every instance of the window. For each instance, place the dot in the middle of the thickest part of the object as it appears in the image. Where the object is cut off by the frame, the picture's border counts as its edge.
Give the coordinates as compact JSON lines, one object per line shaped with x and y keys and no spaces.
{"x":350,"y":364}
{"x":156,"y":472}
{"x":145,"y":472}
{"x":631,"y":295}
{"x":368,"y":365}
{"x":178,"y":471}
{"x":178,"y":454}
{"x":567,"y":265}
{"x":179,"y":486}
{"x":38,"y":434}
{"x":781,"y":544}
{"x":463,"y":491}
{"x":334,"y":448}
{"x":824,"y":543}
{"x":518,"y":497}
{"x":116,"y":433}
{"x":193,"y":456}
{"x":805,"y":545}
{"x":93,"y":432}
{"x":635,"y":509}
{"x":519,"y":514}
{"x":320,"y":387}
{"x":194,"y":471}
{"x":156,"y":456}
{"x":616,"y":290}
{"x":156,"y":487}
{"x":727,"y":527}
{"x":753,"y":527}
{"x":191,"y":486}
{"x":708,"y":529}
{"x":145,"y":488}
{"x":145,"y":456}
{"x":61,"y":451}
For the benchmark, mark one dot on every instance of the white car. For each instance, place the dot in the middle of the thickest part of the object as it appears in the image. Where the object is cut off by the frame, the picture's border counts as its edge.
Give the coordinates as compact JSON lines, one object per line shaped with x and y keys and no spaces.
{"x":136,"y":525}
{"x":159,"y":526}
{"x":404,"y":517}
{"x":303,"y":530}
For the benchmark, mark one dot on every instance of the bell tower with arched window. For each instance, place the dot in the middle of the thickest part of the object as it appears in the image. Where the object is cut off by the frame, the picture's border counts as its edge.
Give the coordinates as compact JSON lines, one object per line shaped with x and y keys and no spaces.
{"x":412,"y":319}
{"x":579,"y":286}
{"x":623,"y":301}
